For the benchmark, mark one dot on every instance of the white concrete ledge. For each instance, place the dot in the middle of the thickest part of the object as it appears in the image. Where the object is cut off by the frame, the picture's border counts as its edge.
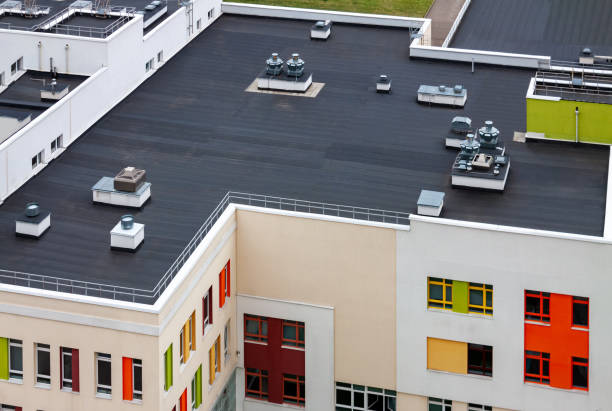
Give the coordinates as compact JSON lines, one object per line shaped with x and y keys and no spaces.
{"x":479,"y":56}
{"x":261,"y":10}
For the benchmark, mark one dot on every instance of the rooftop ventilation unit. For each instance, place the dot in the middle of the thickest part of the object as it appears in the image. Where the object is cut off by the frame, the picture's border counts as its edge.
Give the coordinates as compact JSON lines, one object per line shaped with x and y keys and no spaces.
{"x":274,"y":65}
{"x":34,"y":222}
{"x":430,"y":203}
{"x":295,"y":66}
{"x":127,"y":189}
{"x":586,"y":56}
{"x":127,"y":235}
{"x":449,"y":96}
{"x":81,"y":6}
{"x":54,"y":91}
{"x":488,"y":136}
{"x":460,"y":126}
{"x":321,"y":30}
{"x":383,"y":85}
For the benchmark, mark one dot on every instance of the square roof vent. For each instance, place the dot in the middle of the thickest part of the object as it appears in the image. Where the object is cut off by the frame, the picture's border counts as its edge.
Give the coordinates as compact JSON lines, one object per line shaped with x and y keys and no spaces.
{"x":129,"y":179}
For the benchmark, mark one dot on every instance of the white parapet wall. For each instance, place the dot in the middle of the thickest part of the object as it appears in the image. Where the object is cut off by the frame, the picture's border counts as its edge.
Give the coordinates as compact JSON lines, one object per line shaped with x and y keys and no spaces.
{"x":479,"y":56}
{"x":451,"y":32}
{"x":313,"y":14}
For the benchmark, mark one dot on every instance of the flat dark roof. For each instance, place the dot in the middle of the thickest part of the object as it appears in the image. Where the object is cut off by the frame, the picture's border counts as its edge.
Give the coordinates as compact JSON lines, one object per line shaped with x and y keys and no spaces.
{"x":556,"y":28}
{"x":198,"y":134}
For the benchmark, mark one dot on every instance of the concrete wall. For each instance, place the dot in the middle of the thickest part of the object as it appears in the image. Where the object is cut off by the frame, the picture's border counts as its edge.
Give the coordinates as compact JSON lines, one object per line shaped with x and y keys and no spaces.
{"x":319,"y":351}
{"x":511,"y":262}
{"x":353,"y":272}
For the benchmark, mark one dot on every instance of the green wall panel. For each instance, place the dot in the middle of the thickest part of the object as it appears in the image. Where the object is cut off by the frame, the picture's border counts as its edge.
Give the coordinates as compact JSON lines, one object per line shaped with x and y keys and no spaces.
{"x":168,"y":361}
{"x":557,"y":120}
{"x":460,"y":296}
{"x":199,"y":387}
{"x":4,"y":366}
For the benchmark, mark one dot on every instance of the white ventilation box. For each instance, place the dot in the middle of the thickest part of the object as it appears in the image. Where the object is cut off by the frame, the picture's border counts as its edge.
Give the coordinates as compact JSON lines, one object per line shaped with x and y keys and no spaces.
{"x":104,"y":192}
{"x":33,"y":223}
{"x":321,"y":30}
{"x":430,"y":203}
{"x":127,"y":235}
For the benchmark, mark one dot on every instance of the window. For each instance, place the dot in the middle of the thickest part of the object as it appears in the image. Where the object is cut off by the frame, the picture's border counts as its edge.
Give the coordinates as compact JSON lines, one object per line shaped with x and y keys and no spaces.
{"x":191,"y":333}
{"x":580,"y":373}
{"x":196,"y":389}
{"x":478,"y":407}
{"x":224,"y":284}
{"x":438,"y":404}
{"x":43,"y":364}
{"x":537,"y":306}
{"x":37,"y":159}
{"x":294,"y":389}
{"x":199,"y":24}
{"x":293,"y":334}
{"x":160,"y":56}
{"x":149,"y":65}
{"x":440,"y":293}
{"x":580,"y":312}
{"x":351,"y":397}
{"x":132,"y":379}
{"x":15,"y":360}
{"x":4,"y":407}
{"x":214,"y":365}
{"x":255,"y":328}
{"x":103,"y":374}
{"x":20,"y":63}
{"x":69,"y":369}
{"x":207,"y":310}
{"x":537,"y":367}
{"x":480,"y":298}
{"x":480,"y":359}
{"x":193,"y":393}
{"x":14,"y":68}
{"x":211,"y":13}
{"x":56,"y":144}
{"x":256,"y":383}
{"x":182,"y":345}
{"x":2,"y":79}
{"x":168,"y":368}
{"x":226,"y":341}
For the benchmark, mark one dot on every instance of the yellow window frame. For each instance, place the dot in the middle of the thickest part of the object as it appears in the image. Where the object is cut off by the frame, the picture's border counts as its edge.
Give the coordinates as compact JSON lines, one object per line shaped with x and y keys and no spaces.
{"x":485,"y":289}
{"x":446,"y":303}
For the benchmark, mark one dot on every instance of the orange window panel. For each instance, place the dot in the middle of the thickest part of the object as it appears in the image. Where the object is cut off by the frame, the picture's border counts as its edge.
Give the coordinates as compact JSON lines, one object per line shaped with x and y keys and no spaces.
{"x":128,"y":394}
{"x":183,"y":401}
{"x":222,"y":288}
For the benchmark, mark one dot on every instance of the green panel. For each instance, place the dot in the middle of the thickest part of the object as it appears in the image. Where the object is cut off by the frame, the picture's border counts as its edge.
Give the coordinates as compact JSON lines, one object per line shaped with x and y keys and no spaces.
{"x":557,"y":120}
{"x":460,"y":296}
{"x":199,"y":387}
{"x":168,"y":361}
{"x":4,"y":356}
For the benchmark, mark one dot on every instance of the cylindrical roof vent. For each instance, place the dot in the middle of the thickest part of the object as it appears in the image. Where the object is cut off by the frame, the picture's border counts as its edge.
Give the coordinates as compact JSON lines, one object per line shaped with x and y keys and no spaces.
{"x":32,"y":209}
{"x":127,"y":222}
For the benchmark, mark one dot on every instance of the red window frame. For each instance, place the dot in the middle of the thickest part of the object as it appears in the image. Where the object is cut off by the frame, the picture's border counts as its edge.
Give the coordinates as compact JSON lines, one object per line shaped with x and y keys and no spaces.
{"x":259,"y":336}
{"x":583,"y":362}
{"x":224,"y":284}
{"x":261,"y":375}
{"x":580,"y":300}
{"x":207,"y":308}
{"x":540,"y":378}
{"x":538,"y":316}
{"x":297,"y":342}
{"x":300,"y":399}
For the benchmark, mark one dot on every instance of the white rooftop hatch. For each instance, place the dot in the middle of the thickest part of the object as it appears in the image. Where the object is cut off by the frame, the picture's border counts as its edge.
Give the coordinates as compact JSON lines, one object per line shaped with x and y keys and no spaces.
{"x":127,"y":189}
{"x":33,"y":223}
{"x":127,"y":235}
{"x":321,"y":30}
{"x":430,"y":203}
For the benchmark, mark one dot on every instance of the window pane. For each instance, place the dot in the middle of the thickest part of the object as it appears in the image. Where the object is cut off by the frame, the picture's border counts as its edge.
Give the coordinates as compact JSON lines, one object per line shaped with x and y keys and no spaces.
{"x":138,"y":378}
{"x":532,"y":305}
{"x":343,"y":397}
{"x":43,"y":363}
{"x":546,"y":306}
{"x":375,"y":402}
{"x":264,"y":327}
{"x":16,"y":358}
{"x":489,"y":299}
{"x":532,"y":366}
{"x":301,"y":334}
{"x":290,"y":388}
{"x":358,"y":399}
{"x":435,"y":291}
{"x":475,"y":358}
{"x":545,"y":371}
{"x":581,"y":314}
{"x":449,"y":293}
{"x":253,"y":382}
{"x":435,"y":407}
{"x":579,"y":376}
{"x":476,"y":297}
{"x":67,"y":366}
{"x":289,"y":332}
{"x":252,"y":327}
{"x":389,"y":403}
{"x":104,"y":373}
{"x":264,"y":383}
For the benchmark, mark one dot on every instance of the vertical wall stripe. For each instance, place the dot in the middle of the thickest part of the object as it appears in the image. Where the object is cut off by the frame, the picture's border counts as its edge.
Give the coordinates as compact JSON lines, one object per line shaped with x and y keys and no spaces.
{"x":229,"y":279}
{"x":75,"y":371}
{"x":447,"y":355}
{"x":168,"y":364}
{"x":128,"y":394}
{"x":460,"y":296}
{"x":211,"y":366}
{"x":192,"y":326}
{"x":183,"y":401}
{"x":4,"y":356}
{"x":210,"y":304}
{"x":199,"y":386}
{"x":186,"y":337}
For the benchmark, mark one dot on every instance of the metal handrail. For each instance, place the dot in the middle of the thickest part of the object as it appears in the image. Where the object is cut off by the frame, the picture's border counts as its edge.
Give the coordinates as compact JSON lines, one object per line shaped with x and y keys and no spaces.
{"x":150,"y":296}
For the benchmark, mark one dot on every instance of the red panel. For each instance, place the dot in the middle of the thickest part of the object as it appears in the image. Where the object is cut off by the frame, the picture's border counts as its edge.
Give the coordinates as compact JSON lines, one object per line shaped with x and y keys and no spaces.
{"x":128,"y":394}
{"x":229,"y":280}
{"x":18,"y":409}
{"x":183,"y":401}
{"x":558,"y":339}
{"x":275,"y":359}
{"x":210,"y":304}
{"x":75,"y":371}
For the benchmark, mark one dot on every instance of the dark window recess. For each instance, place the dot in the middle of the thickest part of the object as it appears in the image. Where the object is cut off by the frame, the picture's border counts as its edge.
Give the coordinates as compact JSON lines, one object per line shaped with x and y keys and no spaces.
{"x":580,"y":372}
{"x":255,"y":328}
{"x":294,"y":389}
{"x":537,"y":367}
{"x":537,"y":306}
{"x":480,"y":359}
{"x":580,"y":312}
{"x":256,"y":383}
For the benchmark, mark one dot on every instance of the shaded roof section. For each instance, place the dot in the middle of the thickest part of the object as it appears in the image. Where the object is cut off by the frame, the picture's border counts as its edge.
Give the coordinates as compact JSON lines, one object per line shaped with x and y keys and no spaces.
{"x":556,"y":28}
{"x":198,"y":134}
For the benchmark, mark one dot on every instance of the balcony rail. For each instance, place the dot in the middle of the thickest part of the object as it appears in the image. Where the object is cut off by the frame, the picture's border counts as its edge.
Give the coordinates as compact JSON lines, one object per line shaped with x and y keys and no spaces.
{"x":150,"y":296}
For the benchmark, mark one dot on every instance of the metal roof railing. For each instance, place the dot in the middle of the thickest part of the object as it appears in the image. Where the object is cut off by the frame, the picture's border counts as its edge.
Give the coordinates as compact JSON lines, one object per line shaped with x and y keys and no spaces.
{"x":150,"y":296}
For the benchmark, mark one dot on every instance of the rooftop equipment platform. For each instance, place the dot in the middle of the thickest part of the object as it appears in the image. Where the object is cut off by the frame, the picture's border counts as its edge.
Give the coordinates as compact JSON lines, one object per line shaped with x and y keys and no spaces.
{"x":443,"y":95}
